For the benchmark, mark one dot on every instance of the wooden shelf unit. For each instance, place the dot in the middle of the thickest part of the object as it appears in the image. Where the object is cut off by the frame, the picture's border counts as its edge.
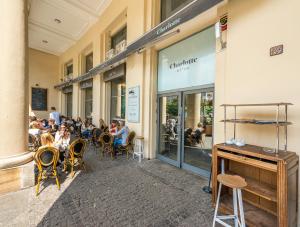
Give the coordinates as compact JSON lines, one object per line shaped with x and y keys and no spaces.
{"x":272,"y":192}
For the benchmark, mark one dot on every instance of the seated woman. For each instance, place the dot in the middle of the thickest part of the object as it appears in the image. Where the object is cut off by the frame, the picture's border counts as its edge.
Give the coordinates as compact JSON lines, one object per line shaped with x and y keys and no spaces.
{"x":62,"y":141}
{"x":113,"y":126}
{"x":87,"y":128}
{"x":188,"y":137}
{"x":121,"y":134}
{"x":197,"y":134}
{"x":47,"y":139}
{"x":103,"y":127}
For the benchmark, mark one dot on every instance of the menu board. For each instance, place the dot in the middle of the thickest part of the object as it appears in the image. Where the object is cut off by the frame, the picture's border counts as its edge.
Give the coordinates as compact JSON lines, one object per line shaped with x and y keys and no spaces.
{"x":133,"y":107}
{"x":39,"y":99}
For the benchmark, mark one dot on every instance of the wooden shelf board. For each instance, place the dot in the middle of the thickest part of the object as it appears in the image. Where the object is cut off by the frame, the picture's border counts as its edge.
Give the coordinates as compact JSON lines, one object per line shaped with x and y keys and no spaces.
{"x":258,"y":188}
{"x":260,"y":104}
{"x":248,"y":161}
{"x":254,"y":216}
{"x":257,"y":152}
{"x":257,"y":122}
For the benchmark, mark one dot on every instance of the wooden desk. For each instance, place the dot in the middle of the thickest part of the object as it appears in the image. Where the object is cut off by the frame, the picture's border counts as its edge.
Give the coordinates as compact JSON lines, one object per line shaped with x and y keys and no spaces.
{"x":271,"y":197}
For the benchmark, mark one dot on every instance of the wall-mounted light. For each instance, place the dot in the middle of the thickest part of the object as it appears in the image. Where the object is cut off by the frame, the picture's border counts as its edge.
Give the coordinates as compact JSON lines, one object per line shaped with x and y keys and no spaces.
{"x":37,"y":85}
{"x":45,"y":41}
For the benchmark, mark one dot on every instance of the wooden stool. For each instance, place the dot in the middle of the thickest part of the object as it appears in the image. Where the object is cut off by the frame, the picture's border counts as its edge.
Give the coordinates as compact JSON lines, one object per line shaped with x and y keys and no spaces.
{"x":236,"y":183}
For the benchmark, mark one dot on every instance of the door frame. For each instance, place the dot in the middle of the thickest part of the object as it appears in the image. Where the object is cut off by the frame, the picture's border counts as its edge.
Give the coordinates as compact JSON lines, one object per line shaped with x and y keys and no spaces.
{"x":180,"y":150}
{"x":159,"y":156}
{"x":184,"y":165}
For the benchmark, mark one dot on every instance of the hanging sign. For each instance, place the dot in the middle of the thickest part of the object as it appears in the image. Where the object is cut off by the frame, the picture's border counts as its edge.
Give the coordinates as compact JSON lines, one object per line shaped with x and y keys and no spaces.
{"x":133,"y":106}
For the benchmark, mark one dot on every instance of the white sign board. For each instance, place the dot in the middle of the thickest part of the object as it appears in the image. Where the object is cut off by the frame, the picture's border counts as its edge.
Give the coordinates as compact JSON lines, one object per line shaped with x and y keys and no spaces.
{"x":133,"y":106}
{"x":188,"y":63}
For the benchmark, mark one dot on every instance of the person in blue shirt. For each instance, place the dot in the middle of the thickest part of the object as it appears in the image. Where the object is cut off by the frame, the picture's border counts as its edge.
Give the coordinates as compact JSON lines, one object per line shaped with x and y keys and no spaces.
{"x":121,"y":134}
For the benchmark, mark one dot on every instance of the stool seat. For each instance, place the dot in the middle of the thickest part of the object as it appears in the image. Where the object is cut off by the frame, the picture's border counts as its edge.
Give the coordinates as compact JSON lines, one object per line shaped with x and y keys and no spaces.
{"x":232,"y":181}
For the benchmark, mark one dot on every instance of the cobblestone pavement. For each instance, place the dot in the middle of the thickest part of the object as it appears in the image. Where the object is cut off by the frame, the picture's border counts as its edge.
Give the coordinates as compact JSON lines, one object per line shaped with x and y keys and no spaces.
{"x":113,"y":193}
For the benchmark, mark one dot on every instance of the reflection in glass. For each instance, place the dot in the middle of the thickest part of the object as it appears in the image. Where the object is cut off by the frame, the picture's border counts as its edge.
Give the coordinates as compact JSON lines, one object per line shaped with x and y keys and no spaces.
{"x":198,"y":118}
{"x":88,"y":102}
{"x":118,"y":98}
{"x":168,"y":126}
{"x":69,"y":102}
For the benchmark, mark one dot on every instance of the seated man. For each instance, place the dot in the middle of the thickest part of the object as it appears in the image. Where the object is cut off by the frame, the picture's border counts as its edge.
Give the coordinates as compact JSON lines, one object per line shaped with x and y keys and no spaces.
{"x":121,"y":135}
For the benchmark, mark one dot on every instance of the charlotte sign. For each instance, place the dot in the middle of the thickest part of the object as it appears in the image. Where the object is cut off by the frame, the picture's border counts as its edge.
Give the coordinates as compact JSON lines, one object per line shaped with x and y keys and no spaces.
{"x":133,"y":107}
{"x":188,"y":63}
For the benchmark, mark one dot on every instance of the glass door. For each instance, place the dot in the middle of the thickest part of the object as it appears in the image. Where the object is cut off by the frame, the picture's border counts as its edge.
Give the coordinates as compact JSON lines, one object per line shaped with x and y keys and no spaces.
{"x":197,"y":137}
{"x":169,"y":128}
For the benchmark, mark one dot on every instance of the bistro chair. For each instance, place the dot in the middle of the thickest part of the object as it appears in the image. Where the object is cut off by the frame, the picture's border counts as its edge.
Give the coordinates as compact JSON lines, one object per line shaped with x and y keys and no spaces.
{"x":96,"y":136}
{"x":46,"y":160}
{"x":75,"y":156}
{"x":106,"y":140}
{"x":128,"y":147}
{"x":33,"y":143}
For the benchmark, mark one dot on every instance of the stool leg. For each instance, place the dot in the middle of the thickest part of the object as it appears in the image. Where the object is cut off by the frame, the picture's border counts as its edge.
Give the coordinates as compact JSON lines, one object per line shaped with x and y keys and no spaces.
{"x":217,"y":205}
{"x":240,"y":199}
{"x":235,"y":207}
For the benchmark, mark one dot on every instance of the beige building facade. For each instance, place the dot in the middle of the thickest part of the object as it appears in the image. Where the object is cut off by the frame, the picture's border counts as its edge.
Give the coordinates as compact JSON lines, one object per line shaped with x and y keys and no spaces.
{"x":244,"y":72}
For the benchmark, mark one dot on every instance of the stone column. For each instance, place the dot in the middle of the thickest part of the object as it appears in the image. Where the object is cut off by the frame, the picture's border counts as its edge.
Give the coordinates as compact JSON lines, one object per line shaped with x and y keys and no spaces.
{"x":13,"y":85}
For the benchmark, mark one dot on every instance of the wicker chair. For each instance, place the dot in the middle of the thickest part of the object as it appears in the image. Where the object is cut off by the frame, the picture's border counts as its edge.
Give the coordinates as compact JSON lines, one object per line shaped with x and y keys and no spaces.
{"x":33,"y":143}
{"x":96,"y":136}
{"x":75,"y":156}
{"x":46,"y":159}
{"x":106,"y":141}
{"x":128,"y":147}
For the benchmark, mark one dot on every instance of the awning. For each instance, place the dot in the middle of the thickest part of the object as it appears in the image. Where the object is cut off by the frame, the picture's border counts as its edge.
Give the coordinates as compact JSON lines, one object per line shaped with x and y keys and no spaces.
{"x":187,"y":13}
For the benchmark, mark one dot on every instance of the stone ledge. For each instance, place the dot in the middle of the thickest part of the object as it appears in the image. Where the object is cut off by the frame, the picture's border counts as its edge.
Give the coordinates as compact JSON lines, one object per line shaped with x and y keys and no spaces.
{"x":16,"y":178}
{"x":16,"y":160}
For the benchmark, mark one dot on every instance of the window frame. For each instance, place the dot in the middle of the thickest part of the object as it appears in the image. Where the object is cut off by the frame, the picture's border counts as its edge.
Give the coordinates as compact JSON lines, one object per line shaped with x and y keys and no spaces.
{"x":122,"y":96}
{"x":120,"y":33}
{"x":86,"y":61}
{"x":167,"y":15}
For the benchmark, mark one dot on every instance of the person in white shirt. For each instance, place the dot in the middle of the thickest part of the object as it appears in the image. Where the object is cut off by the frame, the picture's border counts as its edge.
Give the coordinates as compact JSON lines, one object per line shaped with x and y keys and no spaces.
{"x":55,"y":115}
{"x":34,"y":128}
{"x":62,"y":141}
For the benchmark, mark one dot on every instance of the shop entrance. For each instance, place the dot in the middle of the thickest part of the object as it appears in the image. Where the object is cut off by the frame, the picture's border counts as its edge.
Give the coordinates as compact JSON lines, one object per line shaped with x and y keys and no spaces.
{"x":185,"y":135}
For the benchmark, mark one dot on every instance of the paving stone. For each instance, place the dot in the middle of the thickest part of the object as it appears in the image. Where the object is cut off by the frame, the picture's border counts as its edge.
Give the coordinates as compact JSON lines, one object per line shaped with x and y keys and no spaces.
{"x":117,"y":192}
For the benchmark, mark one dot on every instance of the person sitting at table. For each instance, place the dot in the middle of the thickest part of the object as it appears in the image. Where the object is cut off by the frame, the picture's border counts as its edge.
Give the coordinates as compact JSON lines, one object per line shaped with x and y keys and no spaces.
{"x":188,"y":137}
{"x":121,"y":134}
{"x":62,"y":141}
{"x":52,"y":126}
{"x":34,"y":129}
{"x":32,"y":120}
{"x":86,"y":129}
{"x":103,"y":127}
{"x":113,"y":126}
{"x":47,"y":139}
